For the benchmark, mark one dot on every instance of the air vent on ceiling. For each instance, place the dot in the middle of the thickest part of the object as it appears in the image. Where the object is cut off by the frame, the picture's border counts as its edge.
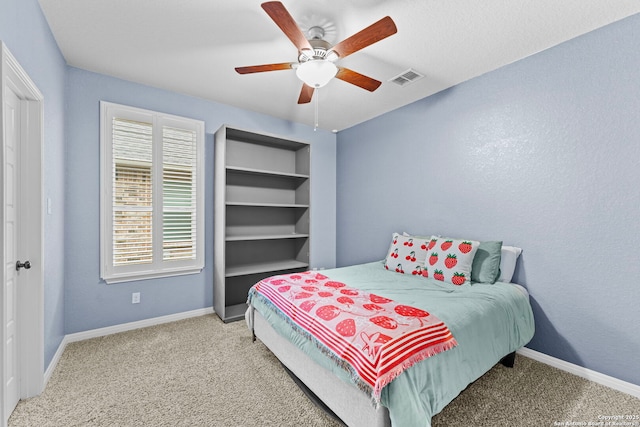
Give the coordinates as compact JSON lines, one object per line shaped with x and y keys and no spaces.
{"x":406,"y":77}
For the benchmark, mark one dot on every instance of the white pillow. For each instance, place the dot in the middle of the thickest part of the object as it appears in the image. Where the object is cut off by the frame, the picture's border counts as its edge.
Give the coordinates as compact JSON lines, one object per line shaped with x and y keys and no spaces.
{"x":508,"y":258}
{"x":406,"y":254}
{"x":405,"y":234}
{"x":449,"y":260}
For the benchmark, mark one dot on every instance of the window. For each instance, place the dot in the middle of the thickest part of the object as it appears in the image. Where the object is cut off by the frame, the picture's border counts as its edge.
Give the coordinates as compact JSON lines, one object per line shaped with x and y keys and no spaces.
{"x":152,"y":198}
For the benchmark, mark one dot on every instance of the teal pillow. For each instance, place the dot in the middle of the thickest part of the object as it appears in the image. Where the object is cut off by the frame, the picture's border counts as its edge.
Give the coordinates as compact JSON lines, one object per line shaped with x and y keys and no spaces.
{"x":486,"y":263}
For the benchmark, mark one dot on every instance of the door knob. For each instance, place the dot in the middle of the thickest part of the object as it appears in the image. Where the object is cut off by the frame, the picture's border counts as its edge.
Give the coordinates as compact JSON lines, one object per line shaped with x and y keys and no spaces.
{"x":26,"y":265}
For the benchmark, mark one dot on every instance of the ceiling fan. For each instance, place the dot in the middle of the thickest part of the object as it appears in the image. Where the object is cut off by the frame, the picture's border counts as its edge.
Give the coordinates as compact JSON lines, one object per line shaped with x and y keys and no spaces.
{"x":316,"y":58}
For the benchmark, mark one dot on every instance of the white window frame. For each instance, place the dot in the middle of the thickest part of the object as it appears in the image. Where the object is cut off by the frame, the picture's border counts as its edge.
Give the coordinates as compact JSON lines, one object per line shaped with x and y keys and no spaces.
{"x":158,"y":267}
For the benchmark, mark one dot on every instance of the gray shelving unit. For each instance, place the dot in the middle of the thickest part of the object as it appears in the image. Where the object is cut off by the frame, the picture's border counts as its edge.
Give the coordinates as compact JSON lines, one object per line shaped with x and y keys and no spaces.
{"x":261,"y":218}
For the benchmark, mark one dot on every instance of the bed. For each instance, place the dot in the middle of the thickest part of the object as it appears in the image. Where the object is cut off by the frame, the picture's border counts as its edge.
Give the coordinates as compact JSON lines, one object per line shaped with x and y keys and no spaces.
{"x":489,"y":322}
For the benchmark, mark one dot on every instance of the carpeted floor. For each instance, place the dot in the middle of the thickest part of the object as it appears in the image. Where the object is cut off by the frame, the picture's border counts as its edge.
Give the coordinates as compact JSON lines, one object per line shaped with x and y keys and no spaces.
{"x":202,"y":372}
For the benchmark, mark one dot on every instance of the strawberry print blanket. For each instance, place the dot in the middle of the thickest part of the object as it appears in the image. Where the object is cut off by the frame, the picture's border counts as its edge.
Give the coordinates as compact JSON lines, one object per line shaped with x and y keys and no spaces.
{"x":373,"y":337}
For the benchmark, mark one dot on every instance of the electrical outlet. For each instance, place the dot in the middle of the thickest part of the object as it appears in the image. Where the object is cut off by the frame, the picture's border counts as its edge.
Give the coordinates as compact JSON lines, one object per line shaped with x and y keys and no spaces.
{"x":135,"y":298}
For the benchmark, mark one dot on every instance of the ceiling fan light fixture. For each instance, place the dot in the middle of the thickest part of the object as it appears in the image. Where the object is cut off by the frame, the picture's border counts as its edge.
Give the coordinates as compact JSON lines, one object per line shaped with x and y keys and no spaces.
{"x":316,"y":72}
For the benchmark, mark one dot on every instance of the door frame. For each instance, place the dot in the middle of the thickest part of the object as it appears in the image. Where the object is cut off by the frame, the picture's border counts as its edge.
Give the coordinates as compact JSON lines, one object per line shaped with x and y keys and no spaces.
{"x":30,"y":293}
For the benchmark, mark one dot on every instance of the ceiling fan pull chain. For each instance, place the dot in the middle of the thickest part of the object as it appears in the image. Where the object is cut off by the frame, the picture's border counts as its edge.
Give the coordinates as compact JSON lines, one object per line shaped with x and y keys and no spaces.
{"x":315,"y":101}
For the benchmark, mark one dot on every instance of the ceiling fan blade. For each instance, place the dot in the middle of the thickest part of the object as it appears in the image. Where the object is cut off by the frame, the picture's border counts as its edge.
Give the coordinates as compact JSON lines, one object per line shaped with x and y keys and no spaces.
{"x":358,"y":79}
{"x":263,"y":68}
{"x":287,"y":24}
{"x":370,"y":35}
{"x":305,"y":94}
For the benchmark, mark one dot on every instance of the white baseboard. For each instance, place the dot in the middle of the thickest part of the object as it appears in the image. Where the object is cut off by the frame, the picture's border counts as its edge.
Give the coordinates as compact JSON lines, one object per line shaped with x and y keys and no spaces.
{"x":54,"y":361}
{"x":101,"y":332}
{"x":597,"y":377}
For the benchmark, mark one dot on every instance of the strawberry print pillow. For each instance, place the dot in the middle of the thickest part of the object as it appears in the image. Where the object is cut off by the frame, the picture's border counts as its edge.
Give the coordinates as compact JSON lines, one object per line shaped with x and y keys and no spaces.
{"x":449,"y":260}
{"x":406,"y":254}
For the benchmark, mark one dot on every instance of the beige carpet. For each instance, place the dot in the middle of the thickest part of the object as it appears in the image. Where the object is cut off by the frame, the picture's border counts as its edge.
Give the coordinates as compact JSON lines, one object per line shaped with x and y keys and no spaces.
{"x":202,"y":372}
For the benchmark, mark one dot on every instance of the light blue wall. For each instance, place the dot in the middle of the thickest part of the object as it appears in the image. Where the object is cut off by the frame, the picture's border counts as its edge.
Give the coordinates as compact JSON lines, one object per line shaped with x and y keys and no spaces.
{"x":543,"y":154}
{"x":89,"y":302}
{"x":25,"y":32}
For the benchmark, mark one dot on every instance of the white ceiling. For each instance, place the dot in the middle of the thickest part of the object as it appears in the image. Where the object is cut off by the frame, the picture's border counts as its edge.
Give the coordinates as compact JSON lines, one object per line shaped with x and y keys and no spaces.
{"x":192,"y":46}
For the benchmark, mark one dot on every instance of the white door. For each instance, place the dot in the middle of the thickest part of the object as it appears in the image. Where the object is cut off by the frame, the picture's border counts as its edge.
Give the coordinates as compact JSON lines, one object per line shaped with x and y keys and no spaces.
{"x":21,"y":233}
{"x":12,"y":214}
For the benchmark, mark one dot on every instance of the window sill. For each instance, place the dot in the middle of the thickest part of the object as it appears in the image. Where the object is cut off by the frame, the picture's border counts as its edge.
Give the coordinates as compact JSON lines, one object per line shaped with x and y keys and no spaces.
{"x":131,"y":277}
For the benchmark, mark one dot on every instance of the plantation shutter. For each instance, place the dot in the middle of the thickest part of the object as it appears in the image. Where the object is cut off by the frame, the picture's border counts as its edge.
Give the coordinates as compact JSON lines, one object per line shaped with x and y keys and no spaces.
{"x":152,"y":194}
{"x":179,"y":193}
{"x":132,"y":192}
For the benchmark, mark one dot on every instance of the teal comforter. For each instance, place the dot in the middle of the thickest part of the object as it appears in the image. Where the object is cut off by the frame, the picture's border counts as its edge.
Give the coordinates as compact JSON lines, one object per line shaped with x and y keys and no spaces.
{"x":488,"y":322}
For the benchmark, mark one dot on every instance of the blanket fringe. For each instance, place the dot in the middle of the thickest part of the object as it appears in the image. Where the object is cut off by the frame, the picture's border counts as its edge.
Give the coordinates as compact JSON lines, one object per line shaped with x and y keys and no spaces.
{"x":418,"y":357}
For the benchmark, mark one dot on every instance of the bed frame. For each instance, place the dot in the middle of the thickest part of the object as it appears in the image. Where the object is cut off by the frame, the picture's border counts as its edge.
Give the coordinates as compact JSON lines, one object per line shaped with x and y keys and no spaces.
{"x":342,"y":400}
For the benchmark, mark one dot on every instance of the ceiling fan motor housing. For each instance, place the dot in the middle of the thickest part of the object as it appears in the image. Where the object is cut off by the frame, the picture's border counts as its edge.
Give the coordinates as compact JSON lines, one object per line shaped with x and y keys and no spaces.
{"x":321,"y":50}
